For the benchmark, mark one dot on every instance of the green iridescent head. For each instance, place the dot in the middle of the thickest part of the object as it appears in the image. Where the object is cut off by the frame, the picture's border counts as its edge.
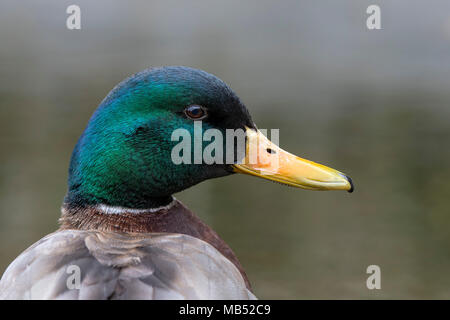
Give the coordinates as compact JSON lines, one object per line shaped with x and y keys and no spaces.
{"x":123,"y":158}
{"x":125,"y":155}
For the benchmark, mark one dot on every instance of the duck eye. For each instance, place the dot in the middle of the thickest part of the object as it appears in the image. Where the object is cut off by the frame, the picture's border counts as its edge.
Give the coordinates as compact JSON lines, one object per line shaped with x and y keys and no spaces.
{"x":195,"y":112}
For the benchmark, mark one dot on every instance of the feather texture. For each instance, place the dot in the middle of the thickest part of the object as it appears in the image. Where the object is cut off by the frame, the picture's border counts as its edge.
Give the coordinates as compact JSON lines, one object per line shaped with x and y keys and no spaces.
{"x":122,"y":266}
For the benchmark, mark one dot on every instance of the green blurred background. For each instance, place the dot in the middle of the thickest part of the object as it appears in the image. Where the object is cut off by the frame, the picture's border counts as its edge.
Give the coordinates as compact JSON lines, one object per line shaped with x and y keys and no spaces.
{"x":374,"y":104}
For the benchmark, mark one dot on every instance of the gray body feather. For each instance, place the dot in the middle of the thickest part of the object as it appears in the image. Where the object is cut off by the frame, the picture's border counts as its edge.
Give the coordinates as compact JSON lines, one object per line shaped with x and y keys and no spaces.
{"x":122,"y":266}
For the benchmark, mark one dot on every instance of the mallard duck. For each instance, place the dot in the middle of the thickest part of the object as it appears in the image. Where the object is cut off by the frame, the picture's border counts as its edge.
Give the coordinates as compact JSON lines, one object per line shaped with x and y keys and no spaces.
{"x":122,"y":233}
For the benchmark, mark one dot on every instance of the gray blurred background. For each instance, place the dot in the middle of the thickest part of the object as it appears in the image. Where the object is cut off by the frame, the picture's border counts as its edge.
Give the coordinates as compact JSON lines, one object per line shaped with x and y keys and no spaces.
{"x":374,"y":104}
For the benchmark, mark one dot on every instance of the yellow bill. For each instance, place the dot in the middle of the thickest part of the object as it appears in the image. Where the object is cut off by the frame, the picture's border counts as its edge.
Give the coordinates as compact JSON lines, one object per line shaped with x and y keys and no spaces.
{"x":266,"y":160}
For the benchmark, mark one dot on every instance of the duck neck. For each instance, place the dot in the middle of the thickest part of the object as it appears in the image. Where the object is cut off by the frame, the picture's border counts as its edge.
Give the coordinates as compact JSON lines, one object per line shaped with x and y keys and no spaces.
{"x":118,"y":200}
{"x":104,"y":217}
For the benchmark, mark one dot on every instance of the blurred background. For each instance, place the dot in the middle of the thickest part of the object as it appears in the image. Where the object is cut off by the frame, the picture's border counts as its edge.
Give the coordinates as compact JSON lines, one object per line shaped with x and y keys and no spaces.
{"x":372,"y":103}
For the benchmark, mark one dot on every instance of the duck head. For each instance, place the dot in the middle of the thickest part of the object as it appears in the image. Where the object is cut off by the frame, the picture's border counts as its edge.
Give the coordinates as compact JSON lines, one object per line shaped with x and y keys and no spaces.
{"x":125,"y":155}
